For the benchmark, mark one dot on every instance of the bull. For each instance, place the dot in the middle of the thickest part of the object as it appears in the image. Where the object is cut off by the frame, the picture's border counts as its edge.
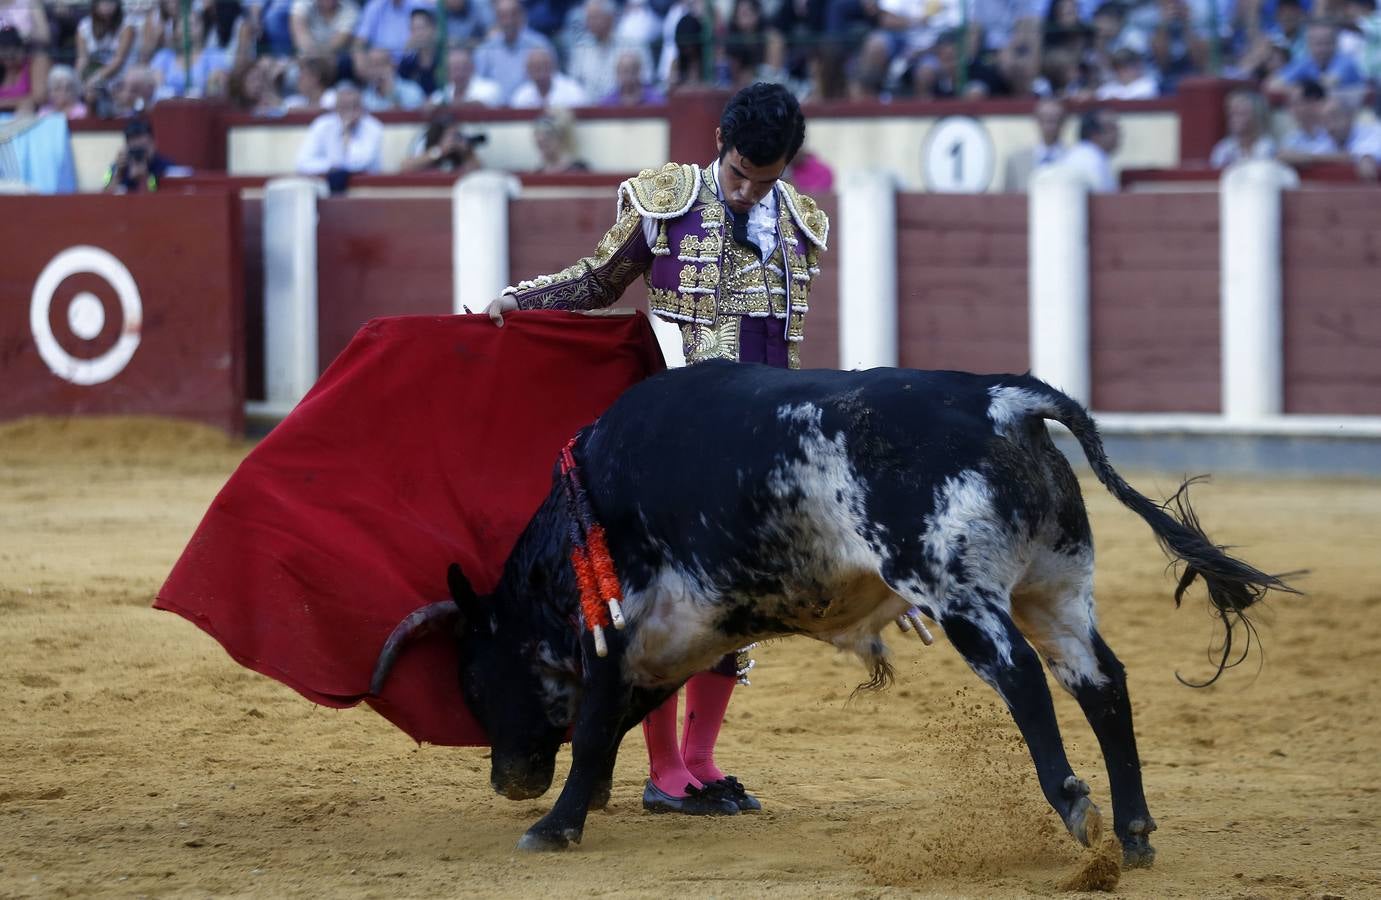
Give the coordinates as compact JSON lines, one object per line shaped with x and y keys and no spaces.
{"x":743,"y":503}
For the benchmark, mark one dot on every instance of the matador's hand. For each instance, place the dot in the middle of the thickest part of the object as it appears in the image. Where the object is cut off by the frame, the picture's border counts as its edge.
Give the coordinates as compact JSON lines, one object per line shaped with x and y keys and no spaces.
{"x":501,"y":305}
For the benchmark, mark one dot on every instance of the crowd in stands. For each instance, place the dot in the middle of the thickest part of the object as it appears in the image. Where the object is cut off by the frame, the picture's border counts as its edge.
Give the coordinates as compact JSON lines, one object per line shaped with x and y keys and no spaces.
{"x":106,"y":58}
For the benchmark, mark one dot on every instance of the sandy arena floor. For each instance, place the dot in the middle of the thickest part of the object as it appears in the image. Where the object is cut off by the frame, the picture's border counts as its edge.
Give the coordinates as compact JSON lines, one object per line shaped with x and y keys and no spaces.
{"x":137,"y":759}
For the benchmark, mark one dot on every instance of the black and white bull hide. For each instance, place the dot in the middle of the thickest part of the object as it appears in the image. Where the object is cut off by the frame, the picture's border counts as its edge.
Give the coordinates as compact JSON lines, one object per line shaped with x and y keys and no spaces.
{"x":743,"y":502}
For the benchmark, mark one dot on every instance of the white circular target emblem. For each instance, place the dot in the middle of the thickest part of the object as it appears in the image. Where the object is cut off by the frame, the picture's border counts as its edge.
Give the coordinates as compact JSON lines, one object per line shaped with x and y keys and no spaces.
{"x":86,"y":315}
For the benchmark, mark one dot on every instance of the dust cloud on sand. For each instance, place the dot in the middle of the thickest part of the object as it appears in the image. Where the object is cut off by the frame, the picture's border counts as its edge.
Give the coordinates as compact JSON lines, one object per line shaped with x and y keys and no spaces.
{"x":138,"y":759}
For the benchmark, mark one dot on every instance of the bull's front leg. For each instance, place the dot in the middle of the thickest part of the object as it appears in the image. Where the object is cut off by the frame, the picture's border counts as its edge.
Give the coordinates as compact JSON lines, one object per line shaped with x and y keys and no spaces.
{"x":609,"y":707}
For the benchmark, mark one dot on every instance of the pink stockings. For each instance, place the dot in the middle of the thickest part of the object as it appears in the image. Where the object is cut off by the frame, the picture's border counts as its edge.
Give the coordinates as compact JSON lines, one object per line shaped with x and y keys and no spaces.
{"x":691,"y":763}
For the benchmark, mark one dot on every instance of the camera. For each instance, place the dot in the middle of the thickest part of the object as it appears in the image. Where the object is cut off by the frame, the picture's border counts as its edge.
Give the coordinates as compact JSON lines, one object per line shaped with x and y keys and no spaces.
{"x":138,"y":154}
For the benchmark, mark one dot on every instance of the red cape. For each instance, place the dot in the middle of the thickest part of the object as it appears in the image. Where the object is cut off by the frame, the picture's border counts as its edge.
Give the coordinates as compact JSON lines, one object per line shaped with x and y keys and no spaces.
{"x":429,"y":440}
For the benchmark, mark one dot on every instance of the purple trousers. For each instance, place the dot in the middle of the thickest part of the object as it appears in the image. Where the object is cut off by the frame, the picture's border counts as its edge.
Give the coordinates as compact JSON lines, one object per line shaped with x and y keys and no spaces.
{"x":761,"y":340}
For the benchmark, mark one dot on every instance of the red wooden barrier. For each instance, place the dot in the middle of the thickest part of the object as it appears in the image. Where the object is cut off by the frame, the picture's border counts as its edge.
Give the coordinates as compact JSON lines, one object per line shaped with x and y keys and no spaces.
{"x":1331,"y":249}
{"x":962,"y":282}
{"x":1153,"y":296}
{"x":122,"y":305}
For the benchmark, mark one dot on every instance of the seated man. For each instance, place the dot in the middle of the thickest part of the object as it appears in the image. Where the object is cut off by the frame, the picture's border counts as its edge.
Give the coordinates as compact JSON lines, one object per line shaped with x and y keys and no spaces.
{"x":342,"y":142}
{"x":139,"y":167}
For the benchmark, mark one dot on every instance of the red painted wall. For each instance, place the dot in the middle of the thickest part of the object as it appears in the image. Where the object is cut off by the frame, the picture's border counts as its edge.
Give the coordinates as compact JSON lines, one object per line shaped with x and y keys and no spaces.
{"x":183,"y":254}
{"x":962,"y":282}
{"x":1331,"y":248}
{"x":379,"y":257}
{"x":1153,"y":262}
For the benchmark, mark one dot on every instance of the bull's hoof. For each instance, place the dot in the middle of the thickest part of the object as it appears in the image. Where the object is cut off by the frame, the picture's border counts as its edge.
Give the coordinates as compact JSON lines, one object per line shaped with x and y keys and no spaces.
{"x":1084,"y":821}
{"x":547,"y":841}
{"x":1137,"y":852}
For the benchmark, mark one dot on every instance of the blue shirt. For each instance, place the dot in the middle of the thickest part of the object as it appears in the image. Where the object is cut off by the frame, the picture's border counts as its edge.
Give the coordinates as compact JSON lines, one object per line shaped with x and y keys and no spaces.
{"x":387,"y":24}
{"x":506,"y":63}
{"x":1342,"y":72}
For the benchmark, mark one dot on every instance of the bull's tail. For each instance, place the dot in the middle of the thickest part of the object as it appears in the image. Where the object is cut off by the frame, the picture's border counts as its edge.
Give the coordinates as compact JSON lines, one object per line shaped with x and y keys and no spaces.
{"x":1233,"y":585}
{"x":415,"y":624}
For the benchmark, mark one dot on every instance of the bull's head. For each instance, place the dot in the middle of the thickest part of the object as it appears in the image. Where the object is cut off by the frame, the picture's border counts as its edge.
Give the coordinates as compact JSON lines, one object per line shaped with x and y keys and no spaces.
{"x":505,"y":692}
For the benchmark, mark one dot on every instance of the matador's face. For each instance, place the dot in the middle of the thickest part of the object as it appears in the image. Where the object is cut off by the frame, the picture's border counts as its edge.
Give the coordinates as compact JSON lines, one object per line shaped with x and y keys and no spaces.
{"x":743,"y":182}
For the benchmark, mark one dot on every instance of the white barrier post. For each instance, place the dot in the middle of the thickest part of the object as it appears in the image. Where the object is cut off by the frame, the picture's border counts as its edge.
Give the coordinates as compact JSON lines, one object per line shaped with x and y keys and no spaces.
{"x":290,"y":291}
{"x":867,"y":245}
{"x":1058,"y":274}
{"x":479,"y":238}
{"x":1251,"y":317}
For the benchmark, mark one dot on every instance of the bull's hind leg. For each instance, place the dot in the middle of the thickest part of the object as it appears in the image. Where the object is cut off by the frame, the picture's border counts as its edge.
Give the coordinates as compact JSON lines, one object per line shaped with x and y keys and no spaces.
{"x":1060,"y":623}
{"x":989,"y":641}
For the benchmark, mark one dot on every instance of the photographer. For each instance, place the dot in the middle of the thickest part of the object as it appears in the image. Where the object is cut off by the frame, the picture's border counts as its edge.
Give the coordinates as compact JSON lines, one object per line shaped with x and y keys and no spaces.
{"x":138,"y":167}
{"x":445,"y":147}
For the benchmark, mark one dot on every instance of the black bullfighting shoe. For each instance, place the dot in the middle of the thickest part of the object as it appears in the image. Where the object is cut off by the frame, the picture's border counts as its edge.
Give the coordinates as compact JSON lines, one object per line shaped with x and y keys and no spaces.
{"x":729,"y":789}
{"x":697,"y":802}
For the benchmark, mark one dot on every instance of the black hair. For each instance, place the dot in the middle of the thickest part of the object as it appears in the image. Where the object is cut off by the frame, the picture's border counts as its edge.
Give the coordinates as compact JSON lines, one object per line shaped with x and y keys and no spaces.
{"x":1309,"y":89}
{"x":1091,"y":124}
{"x":10,"y":37}
{"x":138,"y":126}
{"x":423,"y":11}
{"x":763,"y":122}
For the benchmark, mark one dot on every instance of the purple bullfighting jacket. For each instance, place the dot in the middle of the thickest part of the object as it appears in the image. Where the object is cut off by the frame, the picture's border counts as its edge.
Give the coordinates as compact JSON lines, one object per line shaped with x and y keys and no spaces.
{"x":728,"y":303}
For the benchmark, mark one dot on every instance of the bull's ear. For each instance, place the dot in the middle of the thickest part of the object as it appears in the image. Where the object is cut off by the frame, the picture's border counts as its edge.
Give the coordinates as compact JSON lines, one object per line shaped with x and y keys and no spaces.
{"x":461,"y":592}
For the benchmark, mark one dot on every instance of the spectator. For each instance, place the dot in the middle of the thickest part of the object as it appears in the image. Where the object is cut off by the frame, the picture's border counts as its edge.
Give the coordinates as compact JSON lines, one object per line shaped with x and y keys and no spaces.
{"x":467,"y":21}
{"x":548,"y":17}
{"x":1290,"y":22}
{"x":631,"y":88}
{"x":228,"y":42}
{"x":915,"y":25}
{"x":748,"y":27}
{"x":1018,"y":72}
{"x":463,"y":85}
{"x":445,"y":146}
{"x":420,"y":58}
{"x":1246,"y":137}
{"x":1360,"y":37}
{"x":1099,"y":137}
{"x":324,"y":27}
{"x":139,"y":167}
{"x":23,"y":74}
{"x":343,"y":142}
{"x":687,"y":56}
{"x":868,"y":75}
{"x":104,"y":42}
{"x":1309,"y":137}
{"x":138,"y":90}
{"x":30,"y":19}
{"x":1005,"y":21}
{"x":808,"y":172}
{"x":164,"y":42}
{"x":1130,"y":79}
{"x":595,"y":53}
{"x":1176,"y":49}
{"x":503,"y":56}
{"x":802,"y":25}
{"x":64,"y":93}
{"x":546,"y":87}
{"x":1357,"y":143}
{"x":638,"y":26}
{"x":385,"y":24}
{"x":1065,"y":29}
{"x":1066,"y":77}
{"x":1322,"y":62}
{"x":315,"y":75}
{"x":384,"y":89}
{"x":937,"y":77}
{"x":554,"y":135}
{"x":256,"y":87}
{"x":1050,"y":121}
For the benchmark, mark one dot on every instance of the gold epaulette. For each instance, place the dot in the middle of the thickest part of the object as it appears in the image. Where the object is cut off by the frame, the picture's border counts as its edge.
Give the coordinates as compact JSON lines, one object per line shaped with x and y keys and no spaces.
{"x":807,"y":214}
{"x":663,"y":193}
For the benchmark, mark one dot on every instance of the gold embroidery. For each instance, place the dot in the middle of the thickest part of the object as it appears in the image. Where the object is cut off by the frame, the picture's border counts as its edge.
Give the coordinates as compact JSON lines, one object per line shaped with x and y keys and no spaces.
{"x":663,"y":193}
{"x":808,"y":214}
{"x":717,"y":341}
{"x":593,"y":281}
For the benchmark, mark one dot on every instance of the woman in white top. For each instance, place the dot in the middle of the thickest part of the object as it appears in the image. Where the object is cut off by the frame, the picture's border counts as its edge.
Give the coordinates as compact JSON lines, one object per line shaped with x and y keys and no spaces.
{"x":104,"y":42}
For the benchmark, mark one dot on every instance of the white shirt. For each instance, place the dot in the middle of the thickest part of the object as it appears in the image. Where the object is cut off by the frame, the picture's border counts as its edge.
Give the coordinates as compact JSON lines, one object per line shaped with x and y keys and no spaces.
{"x":1090,"y":160}
{"x":328,"y":147}
{"x":762,"y":218}
{"x":1143,"y":88}
{"x":1229,"y":150}
{"x":478,"y":90}
{"x":565,"y":91}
